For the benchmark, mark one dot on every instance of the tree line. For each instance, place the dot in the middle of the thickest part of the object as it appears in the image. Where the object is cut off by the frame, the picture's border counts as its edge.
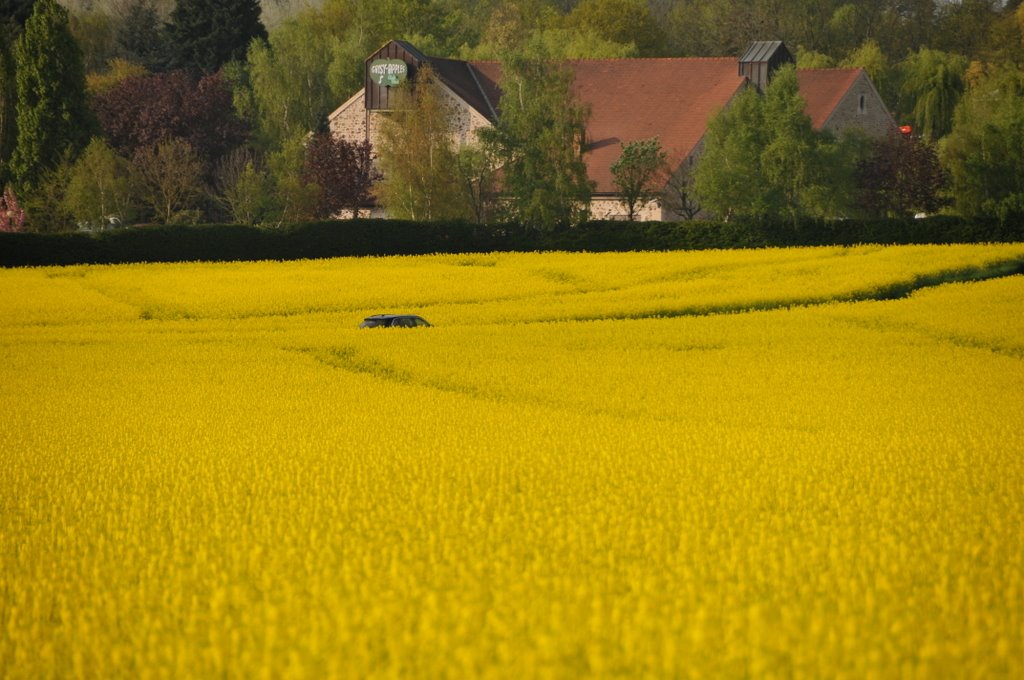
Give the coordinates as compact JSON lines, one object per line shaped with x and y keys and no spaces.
{"x":159,"y":111}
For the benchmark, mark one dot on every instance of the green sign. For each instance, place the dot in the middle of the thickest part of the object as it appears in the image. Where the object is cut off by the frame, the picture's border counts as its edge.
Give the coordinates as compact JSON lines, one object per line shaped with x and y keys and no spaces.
{"x":388,"y":72}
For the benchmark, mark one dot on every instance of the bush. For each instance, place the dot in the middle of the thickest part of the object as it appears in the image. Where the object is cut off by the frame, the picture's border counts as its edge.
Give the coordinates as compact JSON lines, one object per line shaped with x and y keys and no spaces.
{"x":366,"y":237}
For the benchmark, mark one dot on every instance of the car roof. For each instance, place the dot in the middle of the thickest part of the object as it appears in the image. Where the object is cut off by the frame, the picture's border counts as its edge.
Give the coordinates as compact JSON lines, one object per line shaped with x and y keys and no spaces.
{"x":393,"y":316}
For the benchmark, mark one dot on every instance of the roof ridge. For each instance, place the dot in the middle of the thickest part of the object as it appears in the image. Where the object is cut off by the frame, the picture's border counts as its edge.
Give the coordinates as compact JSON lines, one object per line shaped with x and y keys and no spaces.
{"x":608,"y":59}
{"x":646,"y":60}
{"x":833,"y":68}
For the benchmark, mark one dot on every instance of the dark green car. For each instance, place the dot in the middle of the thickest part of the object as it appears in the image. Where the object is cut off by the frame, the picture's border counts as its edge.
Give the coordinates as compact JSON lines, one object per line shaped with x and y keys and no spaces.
{"x":393,"y":321}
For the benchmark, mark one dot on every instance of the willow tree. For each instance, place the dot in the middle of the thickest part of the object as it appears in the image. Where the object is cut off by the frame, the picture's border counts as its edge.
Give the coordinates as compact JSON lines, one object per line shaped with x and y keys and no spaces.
{"x":932,"y":83}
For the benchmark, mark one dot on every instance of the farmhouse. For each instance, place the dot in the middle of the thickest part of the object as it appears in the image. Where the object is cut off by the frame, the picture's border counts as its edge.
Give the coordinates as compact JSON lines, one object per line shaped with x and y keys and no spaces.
{"x":630,"y":99}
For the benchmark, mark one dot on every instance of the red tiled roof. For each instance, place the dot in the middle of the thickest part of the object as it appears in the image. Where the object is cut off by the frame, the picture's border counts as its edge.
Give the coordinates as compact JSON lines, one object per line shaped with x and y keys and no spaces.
{"x":823,"y":88}
{"x":631,"y":99}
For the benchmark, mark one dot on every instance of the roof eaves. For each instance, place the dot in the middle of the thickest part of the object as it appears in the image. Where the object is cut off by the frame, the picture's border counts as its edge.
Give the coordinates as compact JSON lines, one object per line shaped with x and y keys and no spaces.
{"x":483,"y":93}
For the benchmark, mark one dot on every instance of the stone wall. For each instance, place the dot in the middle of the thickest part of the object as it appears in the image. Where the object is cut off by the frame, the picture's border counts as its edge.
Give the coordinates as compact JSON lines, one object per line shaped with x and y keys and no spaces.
{"x":611,"y":208}
{"x":352,"y":122}
{"x":872,"y":117}
{"x":348,"y":121}
{"x":861,"y":107}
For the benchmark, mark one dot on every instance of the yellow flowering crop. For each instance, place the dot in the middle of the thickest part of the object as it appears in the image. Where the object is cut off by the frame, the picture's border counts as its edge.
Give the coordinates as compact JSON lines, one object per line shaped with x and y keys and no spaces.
{"x":764,"y":463}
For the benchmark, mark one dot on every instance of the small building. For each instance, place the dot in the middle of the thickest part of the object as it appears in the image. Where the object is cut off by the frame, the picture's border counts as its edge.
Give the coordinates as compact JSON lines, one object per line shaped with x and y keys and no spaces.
{"x":630,"y":99}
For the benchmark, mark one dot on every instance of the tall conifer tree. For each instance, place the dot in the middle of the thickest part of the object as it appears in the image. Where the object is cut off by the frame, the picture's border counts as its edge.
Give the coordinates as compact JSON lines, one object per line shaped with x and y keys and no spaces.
{"x":140,"y":37}
{"x":52,"y":116}
{"x":13,"y":14}
{"x":206,"y":34}
{"x":7,"y":94}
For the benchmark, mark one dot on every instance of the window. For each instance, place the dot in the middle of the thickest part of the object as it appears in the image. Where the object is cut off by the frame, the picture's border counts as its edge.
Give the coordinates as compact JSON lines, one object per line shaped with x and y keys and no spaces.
{"x":862,"y":107}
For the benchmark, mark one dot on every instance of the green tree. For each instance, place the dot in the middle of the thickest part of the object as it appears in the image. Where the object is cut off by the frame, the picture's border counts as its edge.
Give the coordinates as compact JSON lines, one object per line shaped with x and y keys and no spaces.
{"x":290,"y":79}
{"x":418,"y":157}
{"x":637,"y":172}
{"x":479,"y":181}
{"x":811,"y":59}
{"x":139,"y":36}
{"x":8,"y":92}
{"x":869,"y":56}
{"x":559,"y":44}
{"x":168,"y":176}
{"x":539,"y":142}
{"x":118,"y":71}
{"x":932,"y":83}
{"x":296,"y":199}
{"x":622,"y":21}
{"x":13,"y":15}
{"x":512,"y":22}
{"x":791,"y":160}
{"x":52,"y":117}
{"x":99,"y":192}
{"x":762,"y":158}
{"x":1005,"y":44}
{"x":95,"y":33}
{"x":204,"y":35}
{"x":246,"y":188}
{"x":984,"y":154}
{"x":693,"y":30}
{"x":728,"y":179}
{"x":44,"y":206}
{"x":964,"y":27}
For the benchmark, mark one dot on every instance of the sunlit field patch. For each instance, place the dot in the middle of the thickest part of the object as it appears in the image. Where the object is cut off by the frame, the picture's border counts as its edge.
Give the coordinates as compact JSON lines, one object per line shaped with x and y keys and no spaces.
{"x":798,"y":462}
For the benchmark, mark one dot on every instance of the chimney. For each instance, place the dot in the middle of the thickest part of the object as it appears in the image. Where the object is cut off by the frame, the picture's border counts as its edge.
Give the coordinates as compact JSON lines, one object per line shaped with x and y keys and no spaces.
{"x":761,"y":60}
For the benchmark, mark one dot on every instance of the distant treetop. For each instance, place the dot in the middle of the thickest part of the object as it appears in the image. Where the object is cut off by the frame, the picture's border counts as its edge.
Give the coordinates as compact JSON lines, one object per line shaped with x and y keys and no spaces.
{"x":205,"y":35}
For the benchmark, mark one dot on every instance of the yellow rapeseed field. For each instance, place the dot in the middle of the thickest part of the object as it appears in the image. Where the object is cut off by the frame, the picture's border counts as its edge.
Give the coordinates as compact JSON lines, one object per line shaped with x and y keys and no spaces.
{"x":762,"y":463}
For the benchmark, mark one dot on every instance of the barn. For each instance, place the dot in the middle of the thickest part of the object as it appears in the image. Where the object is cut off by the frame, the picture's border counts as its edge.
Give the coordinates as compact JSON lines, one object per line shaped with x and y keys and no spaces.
{"x":629,"y":99}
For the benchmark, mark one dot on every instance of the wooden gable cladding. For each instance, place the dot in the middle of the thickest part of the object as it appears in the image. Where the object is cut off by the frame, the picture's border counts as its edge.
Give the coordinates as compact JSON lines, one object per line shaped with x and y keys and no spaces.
{"x":379,"y":96}
{"x":762,"y":59}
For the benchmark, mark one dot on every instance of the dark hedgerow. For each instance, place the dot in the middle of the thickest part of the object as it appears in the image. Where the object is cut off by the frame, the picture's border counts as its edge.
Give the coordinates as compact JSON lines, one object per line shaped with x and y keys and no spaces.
{"x":366,"y":237}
